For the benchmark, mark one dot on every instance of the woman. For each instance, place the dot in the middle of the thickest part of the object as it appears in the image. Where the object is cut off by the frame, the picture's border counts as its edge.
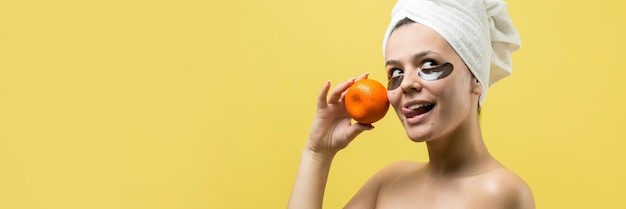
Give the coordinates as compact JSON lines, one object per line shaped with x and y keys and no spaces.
{"x":440,"y":57}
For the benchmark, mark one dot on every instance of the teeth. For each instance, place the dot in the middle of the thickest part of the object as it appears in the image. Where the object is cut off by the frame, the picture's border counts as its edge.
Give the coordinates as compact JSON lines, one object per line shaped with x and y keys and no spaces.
{"x":416,"y":106}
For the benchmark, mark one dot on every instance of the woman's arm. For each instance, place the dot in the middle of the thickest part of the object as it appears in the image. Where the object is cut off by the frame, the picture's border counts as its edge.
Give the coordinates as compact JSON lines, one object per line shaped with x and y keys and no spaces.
{"x":308,"y":190}
{"x":332,"y":131}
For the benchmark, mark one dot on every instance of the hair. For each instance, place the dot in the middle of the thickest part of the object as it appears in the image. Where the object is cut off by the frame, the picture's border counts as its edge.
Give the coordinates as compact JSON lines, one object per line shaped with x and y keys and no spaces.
{"x":401,"y":23}
{"x":407,"y":21}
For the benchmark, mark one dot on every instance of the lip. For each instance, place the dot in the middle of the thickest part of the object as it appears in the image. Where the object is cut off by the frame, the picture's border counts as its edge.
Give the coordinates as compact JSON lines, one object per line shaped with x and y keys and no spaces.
{"x":411,"y":116}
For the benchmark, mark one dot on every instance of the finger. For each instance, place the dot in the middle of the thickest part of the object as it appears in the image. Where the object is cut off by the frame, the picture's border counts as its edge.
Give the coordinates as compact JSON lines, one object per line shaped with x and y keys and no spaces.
{"x":321,"y":98}
{"x":364,"y":76}
{"x":343,"y":96}
{"x":338,"y":90}
{"x":355,"y":129}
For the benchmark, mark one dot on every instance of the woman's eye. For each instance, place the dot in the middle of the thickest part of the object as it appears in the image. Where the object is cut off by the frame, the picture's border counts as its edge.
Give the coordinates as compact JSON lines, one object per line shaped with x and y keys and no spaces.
{"x":395,"y":78}
{"x":429,"y":64}
{"x":395,"y":72}
{"x":435,"y":72}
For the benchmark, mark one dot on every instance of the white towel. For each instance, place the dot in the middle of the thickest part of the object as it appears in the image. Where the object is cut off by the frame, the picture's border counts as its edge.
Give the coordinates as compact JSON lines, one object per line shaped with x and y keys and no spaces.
{"x":480,"y":31}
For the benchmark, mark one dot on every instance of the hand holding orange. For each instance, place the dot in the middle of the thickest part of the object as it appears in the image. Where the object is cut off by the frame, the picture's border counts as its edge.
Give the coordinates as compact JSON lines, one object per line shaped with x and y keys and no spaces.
{"x":366,"y":101}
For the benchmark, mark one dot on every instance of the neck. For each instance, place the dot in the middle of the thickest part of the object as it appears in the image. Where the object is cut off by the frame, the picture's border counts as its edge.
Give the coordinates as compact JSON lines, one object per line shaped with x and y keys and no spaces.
{"x":462,"y":152}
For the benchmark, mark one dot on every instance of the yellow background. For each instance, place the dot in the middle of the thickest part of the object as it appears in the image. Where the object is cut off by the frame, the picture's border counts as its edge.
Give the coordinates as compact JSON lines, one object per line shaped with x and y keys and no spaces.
{"x":196,"y":104}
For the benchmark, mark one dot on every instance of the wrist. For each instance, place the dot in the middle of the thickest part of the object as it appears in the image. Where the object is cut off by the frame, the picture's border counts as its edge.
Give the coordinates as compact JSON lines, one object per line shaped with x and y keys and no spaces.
{"x":321,"y":157}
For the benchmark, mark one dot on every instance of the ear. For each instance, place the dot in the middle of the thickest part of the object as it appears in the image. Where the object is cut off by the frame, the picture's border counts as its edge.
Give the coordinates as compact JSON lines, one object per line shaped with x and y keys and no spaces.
{"x":477,"y":88}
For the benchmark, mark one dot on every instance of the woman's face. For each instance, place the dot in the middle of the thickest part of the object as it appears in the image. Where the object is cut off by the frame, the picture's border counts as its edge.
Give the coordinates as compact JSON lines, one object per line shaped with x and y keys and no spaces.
{"x":431,"y":97}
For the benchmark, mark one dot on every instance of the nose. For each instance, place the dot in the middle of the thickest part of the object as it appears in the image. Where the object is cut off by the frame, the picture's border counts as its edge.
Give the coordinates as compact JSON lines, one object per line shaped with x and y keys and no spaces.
{"x":411,"y":82}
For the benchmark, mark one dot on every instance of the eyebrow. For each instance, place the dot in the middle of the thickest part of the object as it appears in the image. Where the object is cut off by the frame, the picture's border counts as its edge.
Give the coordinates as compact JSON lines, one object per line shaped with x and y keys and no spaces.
{"x":415,"y":57}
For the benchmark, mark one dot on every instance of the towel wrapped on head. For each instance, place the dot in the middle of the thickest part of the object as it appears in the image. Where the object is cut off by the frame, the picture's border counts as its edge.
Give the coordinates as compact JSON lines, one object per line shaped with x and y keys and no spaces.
{"x":480,"y":31}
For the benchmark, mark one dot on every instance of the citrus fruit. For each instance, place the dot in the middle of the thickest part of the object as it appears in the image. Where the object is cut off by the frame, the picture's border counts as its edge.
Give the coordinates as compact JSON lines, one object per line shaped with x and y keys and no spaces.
{"x":366,"y":101}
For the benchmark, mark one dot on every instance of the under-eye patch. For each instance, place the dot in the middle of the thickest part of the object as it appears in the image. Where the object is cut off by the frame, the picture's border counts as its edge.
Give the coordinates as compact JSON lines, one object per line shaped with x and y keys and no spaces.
{"x":435,"y":73}
{"x":427,"y":74}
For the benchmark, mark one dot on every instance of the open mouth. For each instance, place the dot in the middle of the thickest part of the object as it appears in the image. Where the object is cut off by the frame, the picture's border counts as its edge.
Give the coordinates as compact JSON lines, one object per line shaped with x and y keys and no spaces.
{"x":417,"y":109}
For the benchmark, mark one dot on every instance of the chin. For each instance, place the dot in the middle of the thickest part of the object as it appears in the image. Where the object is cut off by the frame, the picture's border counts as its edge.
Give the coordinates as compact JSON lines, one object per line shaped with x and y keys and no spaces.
{"x":418,"y":137}
{"x":422,"y":131}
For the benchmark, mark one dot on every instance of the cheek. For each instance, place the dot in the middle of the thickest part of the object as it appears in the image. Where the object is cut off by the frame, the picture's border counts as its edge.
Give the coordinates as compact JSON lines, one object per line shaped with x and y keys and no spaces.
{"x":440,"y":88}
{"x":455,"y":90}
{"x":394,"y":98}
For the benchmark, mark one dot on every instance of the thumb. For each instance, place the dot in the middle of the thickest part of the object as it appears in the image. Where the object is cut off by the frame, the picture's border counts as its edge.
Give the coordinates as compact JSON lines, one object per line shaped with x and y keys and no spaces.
{"x":357,"y":128}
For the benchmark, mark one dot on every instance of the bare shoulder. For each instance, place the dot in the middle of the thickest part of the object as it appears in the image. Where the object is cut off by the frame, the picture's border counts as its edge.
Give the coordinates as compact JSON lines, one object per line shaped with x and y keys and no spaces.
{"x":367,"y":196}
{"x":395,"y":170}
{"x":399,"y":168}
{"x":502,"y":188}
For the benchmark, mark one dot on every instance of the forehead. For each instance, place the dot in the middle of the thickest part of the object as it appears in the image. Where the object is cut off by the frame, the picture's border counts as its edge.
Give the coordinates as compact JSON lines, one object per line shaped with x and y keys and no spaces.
{"x":413,"y":38}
